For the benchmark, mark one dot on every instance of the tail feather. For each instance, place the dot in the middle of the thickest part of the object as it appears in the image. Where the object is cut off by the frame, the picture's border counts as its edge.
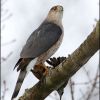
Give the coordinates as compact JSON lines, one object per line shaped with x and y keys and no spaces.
{"x":20,"y":80}
{"x":19,"y":61}
{"x":21,"y":66}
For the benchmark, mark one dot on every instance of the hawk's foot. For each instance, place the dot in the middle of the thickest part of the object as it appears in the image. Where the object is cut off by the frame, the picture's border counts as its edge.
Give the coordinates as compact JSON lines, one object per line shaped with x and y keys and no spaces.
{"x":40,"y":71}
{"x":55,"y":61}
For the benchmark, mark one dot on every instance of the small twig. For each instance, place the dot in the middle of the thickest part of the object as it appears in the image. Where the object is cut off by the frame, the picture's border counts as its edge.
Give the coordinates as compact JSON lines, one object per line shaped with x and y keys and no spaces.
{"x":12,"y":41}
{"x":7,"y":17}
{"x":5,"y":58}
{"x":84,"y":83}
{"x":5,"y":90}
{"x":83,"y":95}
{"x":87,"y":73}
{"x":72,"y":89}
{"x":93,"y":87}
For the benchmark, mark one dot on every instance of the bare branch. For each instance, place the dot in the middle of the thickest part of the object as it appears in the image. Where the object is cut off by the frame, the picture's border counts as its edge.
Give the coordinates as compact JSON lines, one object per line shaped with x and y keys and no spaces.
{"x":83,"y":95}
{"x":10,"y":42}
{"x":5,"y":58}
{"x":58,"y":76}
{"x":72,"y":89}
{"x":93,"y":87}
{"x":5,"y":90}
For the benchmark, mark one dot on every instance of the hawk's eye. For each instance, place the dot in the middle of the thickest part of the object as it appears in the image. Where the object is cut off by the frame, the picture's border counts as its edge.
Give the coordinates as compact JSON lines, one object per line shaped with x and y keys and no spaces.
{"x":54,"y":8}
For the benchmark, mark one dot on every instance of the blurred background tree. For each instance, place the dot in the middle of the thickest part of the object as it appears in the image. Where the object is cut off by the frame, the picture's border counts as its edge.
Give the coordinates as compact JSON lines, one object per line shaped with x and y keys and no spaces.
{"x":20,"y":17}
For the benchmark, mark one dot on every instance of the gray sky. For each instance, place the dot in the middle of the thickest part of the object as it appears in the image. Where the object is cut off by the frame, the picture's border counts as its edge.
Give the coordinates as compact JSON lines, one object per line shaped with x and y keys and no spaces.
{"x":27,"y":15}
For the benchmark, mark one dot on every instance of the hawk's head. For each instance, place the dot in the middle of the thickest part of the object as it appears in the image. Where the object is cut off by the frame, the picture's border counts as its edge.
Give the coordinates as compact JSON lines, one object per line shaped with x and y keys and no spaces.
{"x":57,"y":8}
{"x":55,"y":14}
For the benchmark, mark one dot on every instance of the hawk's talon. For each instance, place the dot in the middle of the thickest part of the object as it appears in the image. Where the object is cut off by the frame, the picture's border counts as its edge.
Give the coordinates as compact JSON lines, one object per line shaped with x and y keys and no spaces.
{"x":55,"y":61}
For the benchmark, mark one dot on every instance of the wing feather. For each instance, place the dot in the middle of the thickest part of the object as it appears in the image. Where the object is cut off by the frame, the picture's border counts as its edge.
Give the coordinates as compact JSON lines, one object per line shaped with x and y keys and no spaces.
{"x":41,"y":40}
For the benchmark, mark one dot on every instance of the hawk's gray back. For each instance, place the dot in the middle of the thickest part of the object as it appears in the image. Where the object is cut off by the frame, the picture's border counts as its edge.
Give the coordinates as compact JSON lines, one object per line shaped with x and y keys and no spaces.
{"x":41,"y":40}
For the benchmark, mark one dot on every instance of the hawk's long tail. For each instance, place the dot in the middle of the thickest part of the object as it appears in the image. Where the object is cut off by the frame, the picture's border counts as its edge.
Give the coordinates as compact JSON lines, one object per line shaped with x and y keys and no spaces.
{"x":20,"y":80}
{"x":22,"y":64}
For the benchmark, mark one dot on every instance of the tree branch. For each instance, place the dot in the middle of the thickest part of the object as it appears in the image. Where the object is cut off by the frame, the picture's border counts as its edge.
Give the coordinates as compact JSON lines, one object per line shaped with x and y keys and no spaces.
{"x":58,"y":76}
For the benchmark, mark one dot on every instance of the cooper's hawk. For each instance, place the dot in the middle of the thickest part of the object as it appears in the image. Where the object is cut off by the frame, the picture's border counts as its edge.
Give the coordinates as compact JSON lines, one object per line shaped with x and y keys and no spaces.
{"x":41,"y":45}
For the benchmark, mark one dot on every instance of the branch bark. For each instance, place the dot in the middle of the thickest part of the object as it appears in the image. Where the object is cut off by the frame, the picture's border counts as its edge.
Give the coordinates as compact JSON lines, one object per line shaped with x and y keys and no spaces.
{"x":58,"y":76}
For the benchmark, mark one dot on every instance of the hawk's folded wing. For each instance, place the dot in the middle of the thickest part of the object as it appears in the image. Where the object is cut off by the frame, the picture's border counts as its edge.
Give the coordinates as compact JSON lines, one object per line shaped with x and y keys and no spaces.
{"x":41,"y":40}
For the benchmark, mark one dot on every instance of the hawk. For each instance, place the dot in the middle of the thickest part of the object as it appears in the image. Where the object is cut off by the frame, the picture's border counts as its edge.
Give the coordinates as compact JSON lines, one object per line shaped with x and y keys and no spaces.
{"x":41,"y":45}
